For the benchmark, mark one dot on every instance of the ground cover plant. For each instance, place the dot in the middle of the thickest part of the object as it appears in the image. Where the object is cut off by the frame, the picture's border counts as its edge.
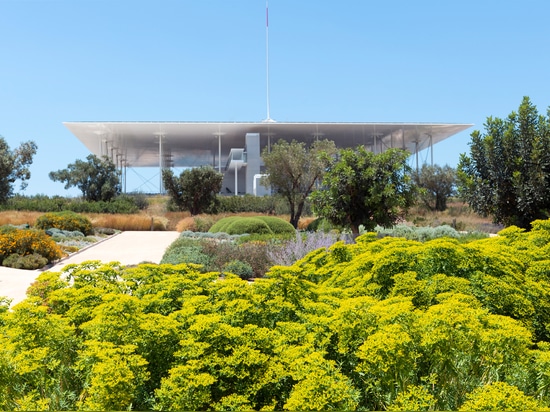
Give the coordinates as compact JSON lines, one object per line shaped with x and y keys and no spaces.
{"x":381,"y":324}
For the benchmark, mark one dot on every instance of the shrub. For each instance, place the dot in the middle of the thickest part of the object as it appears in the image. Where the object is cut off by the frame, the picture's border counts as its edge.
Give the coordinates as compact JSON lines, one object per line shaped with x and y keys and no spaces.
{"x":422,"y":234}
{"x":248,"y":225}
{"x":239,"y":268}
{"x":235,"y":225}
{"x":277,"y":225}
{"x":65,"y":220}
{"x":33,"y":261}
{"x":293,"y":250}
{"x":203,"y":223}
{"x":185,"y":250}
{"x":320,"y":225}
{"x":27,"y":242}
{"x":222,"y":224}
{"x":121,"y":204}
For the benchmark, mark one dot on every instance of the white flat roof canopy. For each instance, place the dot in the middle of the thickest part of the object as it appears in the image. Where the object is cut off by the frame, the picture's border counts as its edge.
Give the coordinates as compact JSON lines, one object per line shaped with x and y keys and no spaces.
{"x":191,"y":144}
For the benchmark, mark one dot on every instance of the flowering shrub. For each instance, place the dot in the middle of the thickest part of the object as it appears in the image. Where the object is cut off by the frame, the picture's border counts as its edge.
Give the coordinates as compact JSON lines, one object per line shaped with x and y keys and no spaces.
{"x":290,"y":251}
{"x":27,"y":242}
{"x":65,"y":220}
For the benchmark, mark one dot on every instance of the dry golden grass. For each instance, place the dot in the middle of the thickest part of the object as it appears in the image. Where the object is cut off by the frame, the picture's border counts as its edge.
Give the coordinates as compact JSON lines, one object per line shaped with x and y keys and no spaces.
{"x":304,"y":222}
{"x":134,"y":222}
{"x":14,"y":217}
{"x":458,"y":215}
{"x":187,"y":223}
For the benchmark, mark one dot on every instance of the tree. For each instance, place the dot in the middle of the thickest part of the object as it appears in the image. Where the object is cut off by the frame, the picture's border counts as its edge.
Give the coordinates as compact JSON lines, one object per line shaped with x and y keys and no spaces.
{"x":363,"y":188}
{"x":195,"y":189}
{"x":14,"y":166}
{"x":507,"y":174}
{"x":97,"y":178}
{"x":293,"y":169}
{"x":438,"y":184}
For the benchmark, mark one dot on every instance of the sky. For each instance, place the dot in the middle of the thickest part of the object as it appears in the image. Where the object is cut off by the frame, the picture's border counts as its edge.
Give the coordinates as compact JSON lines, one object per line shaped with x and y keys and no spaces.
{"x":205,"y":60}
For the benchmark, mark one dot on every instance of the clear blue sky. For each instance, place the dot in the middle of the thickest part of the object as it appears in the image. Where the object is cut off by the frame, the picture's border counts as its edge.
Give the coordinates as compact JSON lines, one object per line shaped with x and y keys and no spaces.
{"x":204,"y":60}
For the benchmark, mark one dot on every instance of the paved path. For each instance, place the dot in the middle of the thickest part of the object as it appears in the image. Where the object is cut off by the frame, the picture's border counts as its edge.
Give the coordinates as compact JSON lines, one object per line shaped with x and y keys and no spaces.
{"x":128,"y":248}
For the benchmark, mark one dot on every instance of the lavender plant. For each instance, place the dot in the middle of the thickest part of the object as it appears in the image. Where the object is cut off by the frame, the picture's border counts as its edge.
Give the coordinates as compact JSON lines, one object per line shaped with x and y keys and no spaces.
{"x":292,"y":250}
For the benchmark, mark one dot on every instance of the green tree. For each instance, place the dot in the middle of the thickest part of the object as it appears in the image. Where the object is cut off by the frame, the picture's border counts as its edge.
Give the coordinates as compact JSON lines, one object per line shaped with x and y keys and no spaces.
{"x":14,"y":165}
{"x":293,"y":169}
{"x":438,"y":184}
{"x":98,"y":179}
{"x":507,"y":174}
{"x":194,"y":190}
{"x":363,"y":188}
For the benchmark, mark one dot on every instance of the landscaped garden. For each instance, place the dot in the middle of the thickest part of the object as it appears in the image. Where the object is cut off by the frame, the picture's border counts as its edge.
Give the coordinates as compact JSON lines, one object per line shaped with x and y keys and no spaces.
{"x":384,"y":323}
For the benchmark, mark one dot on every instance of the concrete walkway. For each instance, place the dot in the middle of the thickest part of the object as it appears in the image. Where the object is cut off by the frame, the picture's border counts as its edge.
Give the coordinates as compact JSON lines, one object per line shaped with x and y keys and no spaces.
{"x":128,"y":248}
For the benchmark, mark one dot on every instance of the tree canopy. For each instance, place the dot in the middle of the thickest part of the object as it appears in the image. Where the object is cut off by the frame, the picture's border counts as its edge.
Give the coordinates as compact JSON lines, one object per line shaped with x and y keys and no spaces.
{"x":363,"y":188}
{"x":438,"y":183}
{"x":14,"y":165}
{"x":293,"y":169}
{"x":194,"y":190}
{"x":507,"y":173}
{"x":97,"y":178}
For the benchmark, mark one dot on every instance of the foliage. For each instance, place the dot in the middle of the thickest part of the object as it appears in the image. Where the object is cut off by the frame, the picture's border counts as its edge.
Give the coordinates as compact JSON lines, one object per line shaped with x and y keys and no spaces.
{"x":185,"y":250}
{"x":381,"y":324}
{"x":213,"y":252}
{"x":425,"y":233}
{"x":236,"y":225}
{"x":507,"y":174}
{"x":293,"y":170}
{"x":122,"y":204}
{"x":239,"y":268}
{"x":194,"y":190}
{"x":65,"y":220}
{"x":97,"y":178}
{"x":32,"y":261}
{"x":499,"y":396}
{"x":363,"y":188}
{"x":290,"y":251}
{"x":14,"y":165}
{"x":17,"y":244}
{"x":437,"y":184}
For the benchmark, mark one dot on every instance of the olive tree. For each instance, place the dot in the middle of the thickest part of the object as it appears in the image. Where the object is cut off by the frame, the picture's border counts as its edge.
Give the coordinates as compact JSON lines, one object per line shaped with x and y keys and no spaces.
{"x":438,"y":183}
{"x":293,"y":169}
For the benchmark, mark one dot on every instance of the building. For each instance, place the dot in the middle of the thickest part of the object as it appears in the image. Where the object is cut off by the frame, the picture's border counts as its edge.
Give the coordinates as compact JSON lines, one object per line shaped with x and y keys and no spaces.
{"x":234,"y":148}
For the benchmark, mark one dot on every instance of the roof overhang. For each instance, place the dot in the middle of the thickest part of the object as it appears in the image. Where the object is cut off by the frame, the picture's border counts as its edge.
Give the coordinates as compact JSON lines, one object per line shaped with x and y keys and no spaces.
{"x":190,"y":144}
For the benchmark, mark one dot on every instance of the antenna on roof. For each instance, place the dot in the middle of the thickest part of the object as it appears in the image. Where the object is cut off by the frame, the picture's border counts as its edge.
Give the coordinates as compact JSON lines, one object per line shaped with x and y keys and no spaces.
{"x":268,"y":119}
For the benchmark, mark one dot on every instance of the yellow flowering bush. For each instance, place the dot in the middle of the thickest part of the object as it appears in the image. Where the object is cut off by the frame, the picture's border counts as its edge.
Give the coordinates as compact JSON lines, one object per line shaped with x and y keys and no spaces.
{"x":65,"y":220}
{"x":24,"y":242}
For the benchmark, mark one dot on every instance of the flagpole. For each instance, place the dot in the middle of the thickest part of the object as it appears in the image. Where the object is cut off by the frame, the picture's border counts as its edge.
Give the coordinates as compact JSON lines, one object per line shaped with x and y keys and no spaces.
{"x":268,"y":119}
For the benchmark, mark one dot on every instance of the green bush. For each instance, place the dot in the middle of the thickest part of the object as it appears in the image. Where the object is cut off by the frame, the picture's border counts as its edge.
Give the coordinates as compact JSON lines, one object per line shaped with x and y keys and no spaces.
{"x":31,"y":262}
{"x":123,"y":204}
{"x":248,"y":225}
{"x":277,"y":225}
{"x":237,"y":225}
{"x":222,"y":224}
{"x":186,"y":250}
{"x":239,"y":268}
{"x":65,"y":220}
